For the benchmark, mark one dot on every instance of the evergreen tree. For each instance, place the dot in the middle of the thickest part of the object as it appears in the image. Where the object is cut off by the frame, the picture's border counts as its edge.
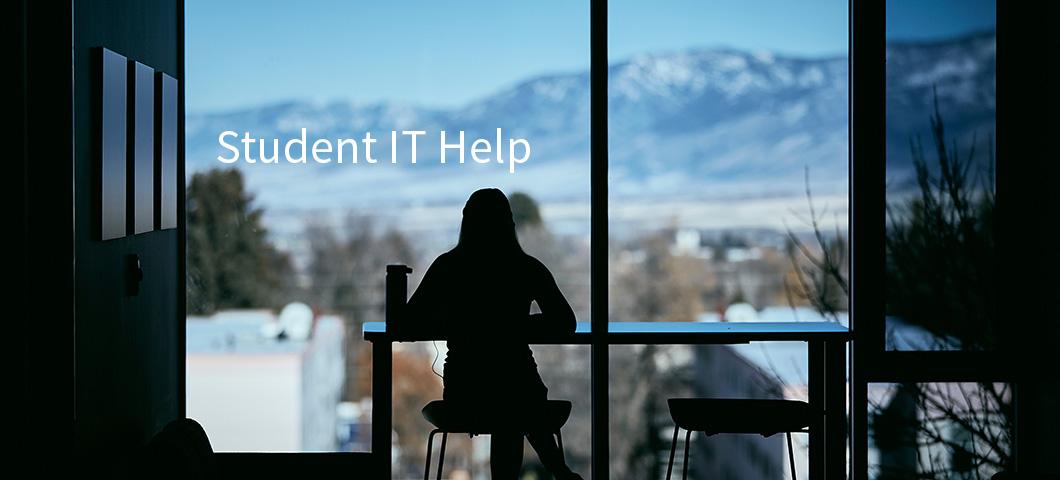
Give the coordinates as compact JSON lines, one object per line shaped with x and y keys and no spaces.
{"x":231,"y":263}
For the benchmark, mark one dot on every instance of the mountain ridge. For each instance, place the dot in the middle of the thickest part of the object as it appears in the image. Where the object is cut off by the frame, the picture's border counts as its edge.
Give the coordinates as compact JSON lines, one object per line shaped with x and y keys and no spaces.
{"x":698,"y":122}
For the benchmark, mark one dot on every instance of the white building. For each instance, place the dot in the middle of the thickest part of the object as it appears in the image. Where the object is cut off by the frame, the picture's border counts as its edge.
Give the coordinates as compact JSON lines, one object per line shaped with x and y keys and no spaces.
{"x":257,"y":382}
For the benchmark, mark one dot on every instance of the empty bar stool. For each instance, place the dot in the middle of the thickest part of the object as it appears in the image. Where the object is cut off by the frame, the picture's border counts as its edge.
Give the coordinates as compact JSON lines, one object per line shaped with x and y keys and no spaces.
{"x":731,"y":415}
{"x":453,"y":417}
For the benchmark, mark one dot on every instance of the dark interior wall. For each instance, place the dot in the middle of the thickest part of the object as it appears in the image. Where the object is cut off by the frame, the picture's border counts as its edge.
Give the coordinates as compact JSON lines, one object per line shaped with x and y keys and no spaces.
{"x":1028,"y":200}
{"x":39,"y":197}
{"x":129,"y":349}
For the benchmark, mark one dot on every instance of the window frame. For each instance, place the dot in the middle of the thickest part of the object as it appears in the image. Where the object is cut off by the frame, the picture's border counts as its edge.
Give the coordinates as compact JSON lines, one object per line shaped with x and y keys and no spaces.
{"x":870,"y":360}
{"x":598,"y":94}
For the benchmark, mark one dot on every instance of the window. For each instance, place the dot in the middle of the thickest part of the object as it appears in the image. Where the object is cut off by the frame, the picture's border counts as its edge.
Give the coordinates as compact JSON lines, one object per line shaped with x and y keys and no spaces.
{"x":727,"y":202}
{"x":941,"y":159}
{"x":727,"y":145}
{"x":286,"y":261}
{"x":940,"y":430}
{"x":932,"y":395}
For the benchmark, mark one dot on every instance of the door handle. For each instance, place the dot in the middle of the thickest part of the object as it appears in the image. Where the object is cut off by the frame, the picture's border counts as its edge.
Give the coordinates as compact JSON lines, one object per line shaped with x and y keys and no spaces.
{"x":134,"y":274}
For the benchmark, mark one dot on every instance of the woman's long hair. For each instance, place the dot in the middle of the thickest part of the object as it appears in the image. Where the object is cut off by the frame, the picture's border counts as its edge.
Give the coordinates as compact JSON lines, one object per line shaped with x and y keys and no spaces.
{"x":488,"y":228}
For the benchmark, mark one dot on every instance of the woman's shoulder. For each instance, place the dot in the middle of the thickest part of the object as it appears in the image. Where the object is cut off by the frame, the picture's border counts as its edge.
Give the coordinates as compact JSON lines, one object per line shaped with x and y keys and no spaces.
{"x":445,"y":257}
{"x":442,"y":262}
{"x":533,"y":265}
{"x":523,"y":263}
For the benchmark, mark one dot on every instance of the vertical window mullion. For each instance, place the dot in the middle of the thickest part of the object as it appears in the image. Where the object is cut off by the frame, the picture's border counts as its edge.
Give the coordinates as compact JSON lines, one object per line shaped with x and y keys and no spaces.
{"x":867,"y":211}
{"x":598,"y":242}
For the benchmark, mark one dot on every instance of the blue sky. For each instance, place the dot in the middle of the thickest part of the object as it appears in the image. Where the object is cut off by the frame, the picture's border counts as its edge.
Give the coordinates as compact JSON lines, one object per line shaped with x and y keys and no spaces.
{"x":933,"y":19}
{"x":243,"y":53}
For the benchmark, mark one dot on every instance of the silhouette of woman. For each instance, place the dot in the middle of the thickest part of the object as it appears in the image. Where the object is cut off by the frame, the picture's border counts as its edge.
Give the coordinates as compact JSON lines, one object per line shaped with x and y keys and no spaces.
{"x":478,"y":296}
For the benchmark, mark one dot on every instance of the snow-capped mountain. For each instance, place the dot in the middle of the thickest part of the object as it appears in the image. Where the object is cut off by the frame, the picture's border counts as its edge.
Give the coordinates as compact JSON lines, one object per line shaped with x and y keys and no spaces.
{"x":717,"y":123}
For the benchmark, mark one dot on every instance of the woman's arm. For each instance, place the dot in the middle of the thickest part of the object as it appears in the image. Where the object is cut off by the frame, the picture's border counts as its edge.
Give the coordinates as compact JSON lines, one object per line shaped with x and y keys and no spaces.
{"x":556,"y":315}
{"x":425,"y":309}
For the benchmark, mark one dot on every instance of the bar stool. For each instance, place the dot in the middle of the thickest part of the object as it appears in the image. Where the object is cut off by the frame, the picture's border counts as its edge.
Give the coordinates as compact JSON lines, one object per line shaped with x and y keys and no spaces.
{"x":736,"y":415}
{"x":452,"y":417}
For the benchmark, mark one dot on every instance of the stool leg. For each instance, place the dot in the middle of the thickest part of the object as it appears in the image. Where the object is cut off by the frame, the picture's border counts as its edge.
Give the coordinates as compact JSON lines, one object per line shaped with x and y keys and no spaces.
{"x":430,"y":444}
{"x":688,"y":440}
{"x":791,"y":456}
{"x":673,"y":449}
{"x":441,"y":454}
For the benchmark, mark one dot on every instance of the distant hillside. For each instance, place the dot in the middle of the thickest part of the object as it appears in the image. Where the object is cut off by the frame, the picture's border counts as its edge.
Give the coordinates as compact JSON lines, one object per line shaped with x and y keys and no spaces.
{"x":712,"y":124}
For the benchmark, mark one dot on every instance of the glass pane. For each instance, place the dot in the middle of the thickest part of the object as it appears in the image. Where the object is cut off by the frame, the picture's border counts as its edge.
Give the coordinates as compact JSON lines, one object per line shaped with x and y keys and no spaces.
{"x":643,"y":377}
{"x":941,"y":108}
{"x":940,"y":430}
{"x":727,"y":198}
{"x":728,"y":152}
{"x":263,"y":236}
